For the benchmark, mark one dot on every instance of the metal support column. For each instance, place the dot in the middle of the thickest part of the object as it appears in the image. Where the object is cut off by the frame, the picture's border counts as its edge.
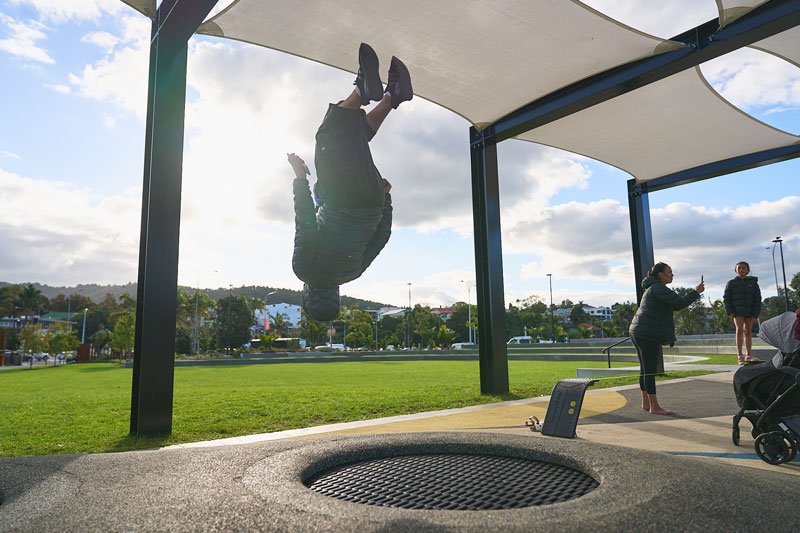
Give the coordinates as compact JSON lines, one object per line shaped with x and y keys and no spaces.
{"x":154,"y":345}
{"x":641,"y":234}
{"x":488,"y":265}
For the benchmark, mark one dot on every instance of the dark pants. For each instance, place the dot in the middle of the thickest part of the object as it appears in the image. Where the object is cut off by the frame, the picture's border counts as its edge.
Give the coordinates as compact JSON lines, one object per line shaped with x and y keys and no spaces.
{"x":346,"y":175}
{"x":650,"y":353}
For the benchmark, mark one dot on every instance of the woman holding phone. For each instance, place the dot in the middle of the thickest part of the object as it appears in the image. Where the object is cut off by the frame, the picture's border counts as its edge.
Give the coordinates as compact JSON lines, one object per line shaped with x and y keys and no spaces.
{"x":653,"y":326}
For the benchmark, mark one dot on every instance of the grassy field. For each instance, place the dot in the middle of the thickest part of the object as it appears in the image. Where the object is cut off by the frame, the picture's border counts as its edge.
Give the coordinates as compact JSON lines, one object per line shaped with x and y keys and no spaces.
{"x":717,"y":359}
{"x":86,"y":408}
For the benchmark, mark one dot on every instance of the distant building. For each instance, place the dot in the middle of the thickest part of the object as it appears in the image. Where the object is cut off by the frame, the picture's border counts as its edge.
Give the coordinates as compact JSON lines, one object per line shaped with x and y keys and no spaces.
{"x":444,"y":313}
{"x":44,"y":321}
{"x":265,"y":317}
{"x":392,"y":311}
{"x":601,"y":313}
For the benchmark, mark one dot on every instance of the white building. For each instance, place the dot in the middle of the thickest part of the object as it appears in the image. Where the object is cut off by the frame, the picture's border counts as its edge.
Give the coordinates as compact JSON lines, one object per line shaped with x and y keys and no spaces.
{"x":291,"y":314}
{"x":391,"y":311}
{"x":601,"y":313}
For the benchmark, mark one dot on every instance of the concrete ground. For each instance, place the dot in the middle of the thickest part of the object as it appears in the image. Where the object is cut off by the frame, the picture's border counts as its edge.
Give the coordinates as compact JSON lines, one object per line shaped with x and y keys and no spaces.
{"x":656,"y":473}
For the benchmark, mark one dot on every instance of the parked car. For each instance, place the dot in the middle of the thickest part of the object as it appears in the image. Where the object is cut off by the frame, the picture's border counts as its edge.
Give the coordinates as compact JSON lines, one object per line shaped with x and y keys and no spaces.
{"x":463,"y":345}
{"x":521,"y":339}
{"x":329,"y":348}
{"x":40,"y":356}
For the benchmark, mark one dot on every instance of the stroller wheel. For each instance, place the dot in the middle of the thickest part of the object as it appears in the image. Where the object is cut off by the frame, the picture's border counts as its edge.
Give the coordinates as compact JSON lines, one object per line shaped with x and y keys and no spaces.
{"x":774,"y":448}
{"x":735,"y":436}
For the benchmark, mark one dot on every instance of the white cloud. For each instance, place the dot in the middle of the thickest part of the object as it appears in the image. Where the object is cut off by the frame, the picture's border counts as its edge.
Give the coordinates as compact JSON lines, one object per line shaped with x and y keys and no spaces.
{"x":754,"y":79}
{"x":57,"y":232}
{"x":663,"y":19}
{"x":102,"y":39}
{"x":23,"y":38}
{"x":72,"y":10}
{"x":59,"y":88}
{"x":9,"y":155}
{"x":121,"y":77}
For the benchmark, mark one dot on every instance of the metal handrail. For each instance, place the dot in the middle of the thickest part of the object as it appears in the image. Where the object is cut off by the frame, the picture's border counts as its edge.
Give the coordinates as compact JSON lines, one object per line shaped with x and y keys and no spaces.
{"x":607,"y":350}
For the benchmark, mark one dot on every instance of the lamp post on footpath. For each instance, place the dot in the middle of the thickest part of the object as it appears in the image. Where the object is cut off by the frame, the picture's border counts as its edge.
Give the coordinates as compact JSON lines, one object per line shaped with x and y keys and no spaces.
{"x":552,"y":324}
{"x":469,"y":310}
{"x":408,"y":320}
{"x":783,"y":269}
{"x":775,"y":271}
{"x":83,"y":333}
{"x":266,"y":308}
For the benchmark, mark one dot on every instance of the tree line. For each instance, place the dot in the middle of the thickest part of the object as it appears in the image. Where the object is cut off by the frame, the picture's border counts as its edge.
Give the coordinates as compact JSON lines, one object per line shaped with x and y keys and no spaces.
{"x":207,"y":325}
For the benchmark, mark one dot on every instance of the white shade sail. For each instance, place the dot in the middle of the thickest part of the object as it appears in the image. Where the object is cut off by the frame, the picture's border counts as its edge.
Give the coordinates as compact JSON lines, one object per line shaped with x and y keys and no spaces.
{"x":730,"y":10}
{"x":668,"y":126}
{"x":484,"y":60}
{"x":785,"y":45}
{"x":479,"y":59}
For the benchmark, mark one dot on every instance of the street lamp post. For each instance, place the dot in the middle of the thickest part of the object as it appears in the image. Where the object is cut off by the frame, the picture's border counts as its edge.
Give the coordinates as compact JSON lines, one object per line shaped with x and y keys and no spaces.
{"x":783,"y":269}
{"x":408,"y":320}
{"x":469,"y":310}
{"x":552,"y":323}
{"x":374,"y":313}
{"x":775,"y":271}
{"x":83,"y":333}
{"x":266,"y":307}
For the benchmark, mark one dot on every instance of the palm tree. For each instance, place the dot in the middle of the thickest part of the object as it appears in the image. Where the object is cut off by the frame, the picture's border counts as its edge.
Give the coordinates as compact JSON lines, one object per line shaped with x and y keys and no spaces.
{"x":30,"y":299}
{"x":6,"y":300}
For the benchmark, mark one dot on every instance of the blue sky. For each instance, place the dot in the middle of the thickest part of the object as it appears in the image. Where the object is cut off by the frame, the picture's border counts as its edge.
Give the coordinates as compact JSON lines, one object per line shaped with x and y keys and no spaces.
{"x":71,"y":154}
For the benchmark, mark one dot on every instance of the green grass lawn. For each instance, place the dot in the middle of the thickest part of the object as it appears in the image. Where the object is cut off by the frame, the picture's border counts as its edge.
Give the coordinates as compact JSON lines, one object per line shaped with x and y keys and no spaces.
{"x":86,"y":408}
{"x":716,"y":359}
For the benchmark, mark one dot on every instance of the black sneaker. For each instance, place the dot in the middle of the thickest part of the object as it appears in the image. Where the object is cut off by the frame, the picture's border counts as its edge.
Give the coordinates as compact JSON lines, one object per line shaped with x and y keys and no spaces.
{"x":399,"y":83}
{"x":368,"y":80}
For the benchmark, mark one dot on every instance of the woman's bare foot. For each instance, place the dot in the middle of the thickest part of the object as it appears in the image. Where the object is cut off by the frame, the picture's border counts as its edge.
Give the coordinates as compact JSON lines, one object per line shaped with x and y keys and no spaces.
{"x":660,"y":411}
{"x":645,"y":401}
{"x":655,"y":409}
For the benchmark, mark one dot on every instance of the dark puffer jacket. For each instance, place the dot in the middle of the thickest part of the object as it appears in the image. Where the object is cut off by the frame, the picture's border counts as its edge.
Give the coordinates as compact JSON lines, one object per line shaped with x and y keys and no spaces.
{"x":653,"y":319}
{"x":742,"y":297}
{"x":334,"y":246}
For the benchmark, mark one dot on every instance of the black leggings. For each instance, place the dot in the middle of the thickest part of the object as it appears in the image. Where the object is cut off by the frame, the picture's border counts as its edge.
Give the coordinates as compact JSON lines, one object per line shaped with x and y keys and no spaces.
{"x":649,"y":352}
{"x":346,"y":174}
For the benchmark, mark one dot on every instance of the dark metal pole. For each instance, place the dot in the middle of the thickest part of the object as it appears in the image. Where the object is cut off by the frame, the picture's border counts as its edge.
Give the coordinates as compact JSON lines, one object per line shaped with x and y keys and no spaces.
{"x":154,"y":344}
{"x":641,"y":234}
{"x":492,"y":353}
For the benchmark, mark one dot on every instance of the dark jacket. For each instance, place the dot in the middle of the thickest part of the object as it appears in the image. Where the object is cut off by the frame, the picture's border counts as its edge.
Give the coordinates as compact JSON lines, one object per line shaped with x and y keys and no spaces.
{"x":333,"y":246}
{"x":742,"y":297}
{"x":653,"y":319}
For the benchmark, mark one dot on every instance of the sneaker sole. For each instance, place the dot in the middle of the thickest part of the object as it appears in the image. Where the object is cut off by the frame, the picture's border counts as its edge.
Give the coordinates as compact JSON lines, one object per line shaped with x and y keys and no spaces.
{"x":368,"y":61}
{"x":403,"y":80}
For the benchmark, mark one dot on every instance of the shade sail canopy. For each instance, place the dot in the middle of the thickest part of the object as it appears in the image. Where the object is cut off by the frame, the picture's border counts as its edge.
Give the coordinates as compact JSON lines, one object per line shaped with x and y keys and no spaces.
{"x":676,"y":123}
{"x":146,"y":7}
{"x":730,"y":10}
{"x":786,"y":45}
{"x":479,"y":59}
{"x":484,"y":60}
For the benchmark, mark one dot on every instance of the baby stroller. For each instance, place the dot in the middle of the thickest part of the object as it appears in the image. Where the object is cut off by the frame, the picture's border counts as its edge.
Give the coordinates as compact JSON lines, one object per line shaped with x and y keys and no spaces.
{"x":769,"y":394}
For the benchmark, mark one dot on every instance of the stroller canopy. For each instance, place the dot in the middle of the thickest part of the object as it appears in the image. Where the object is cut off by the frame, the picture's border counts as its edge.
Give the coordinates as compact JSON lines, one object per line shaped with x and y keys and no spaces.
{"x":777,"y":331}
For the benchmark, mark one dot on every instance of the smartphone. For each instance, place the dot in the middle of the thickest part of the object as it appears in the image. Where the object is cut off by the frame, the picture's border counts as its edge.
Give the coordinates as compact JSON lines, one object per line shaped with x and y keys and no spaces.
{"x":701,"y":278}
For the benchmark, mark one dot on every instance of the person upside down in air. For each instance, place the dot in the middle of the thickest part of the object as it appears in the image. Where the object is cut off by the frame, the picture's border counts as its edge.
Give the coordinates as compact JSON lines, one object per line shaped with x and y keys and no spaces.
{"x":342,"y":229}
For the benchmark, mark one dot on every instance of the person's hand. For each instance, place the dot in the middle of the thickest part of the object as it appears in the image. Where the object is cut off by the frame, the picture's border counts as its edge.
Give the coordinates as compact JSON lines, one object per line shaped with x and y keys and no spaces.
{"x":298,"y":165}
{"x":386,"y":185}
{"x":700,"y":288}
